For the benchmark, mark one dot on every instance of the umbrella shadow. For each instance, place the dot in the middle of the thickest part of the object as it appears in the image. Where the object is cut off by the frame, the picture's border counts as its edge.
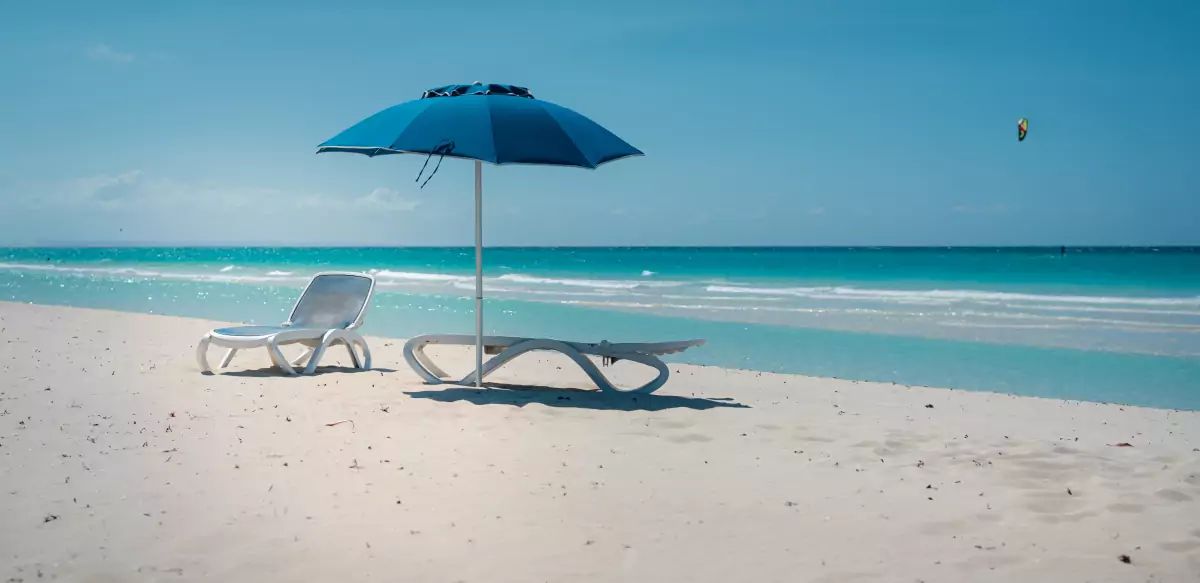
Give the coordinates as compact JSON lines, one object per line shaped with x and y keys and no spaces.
{"x":521,"y":395}
{"x":271,"y":371}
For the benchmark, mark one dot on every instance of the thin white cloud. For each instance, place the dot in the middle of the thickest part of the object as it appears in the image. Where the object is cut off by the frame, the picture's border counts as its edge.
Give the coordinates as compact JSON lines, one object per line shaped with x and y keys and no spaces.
{"x":135,"y":188}
{"x":109,"y":188}
{"x":107,"y":54}
{"x":386,"y":199}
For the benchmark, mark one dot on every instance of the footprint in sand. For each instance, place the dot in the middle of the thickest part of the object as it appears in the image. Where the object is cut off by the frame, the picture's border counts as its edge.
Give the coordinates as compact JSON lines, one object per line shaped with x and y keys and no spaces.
{"x":947,"y":527}
{"x":989,"y":560}
{"x":1127,"y":508}
{"x":1181,"y":546}
{"x":1173,"y":495}
{"x":1055,"y":503}
{"x":689,"y":438}
{"x":848,"y":576}
{"x":816,"y":438}
{"x":1076,"y":517}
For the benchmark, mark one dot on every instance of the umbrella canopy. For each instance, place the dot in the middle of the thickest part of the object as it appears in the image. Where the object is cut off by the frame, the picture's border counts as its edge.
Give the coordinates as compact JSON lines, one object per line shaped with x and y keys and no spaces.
{"x":501,"y":124}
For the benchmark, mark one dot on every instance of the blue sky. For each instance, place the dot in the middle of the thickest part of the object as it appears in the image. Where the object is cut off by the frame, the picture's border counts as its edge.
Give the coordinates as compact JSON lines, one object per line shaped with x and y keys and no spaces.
{"x":774,"y":123}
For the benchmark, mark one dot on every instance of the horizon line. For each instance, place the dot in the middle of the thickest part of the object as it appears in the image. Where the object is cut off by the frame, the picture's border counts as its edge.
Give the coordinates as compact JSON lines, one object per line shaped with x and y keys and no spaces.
{"x":262,"y":245}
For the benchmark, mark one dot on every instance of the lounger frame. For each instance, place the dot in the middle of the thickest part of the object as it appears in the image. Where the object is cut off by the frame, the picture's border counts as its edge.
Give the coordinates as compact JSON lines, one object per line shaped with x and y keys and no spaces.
{"x":507,"y":348}
{"x":314,"y":340}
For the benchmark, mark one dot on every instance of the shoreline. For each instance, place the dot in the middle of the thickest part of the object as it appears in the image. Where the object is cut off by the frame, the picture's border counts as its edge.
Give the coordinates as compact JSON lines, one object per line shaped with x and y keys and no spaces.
{"x":120,"y":461}
{"x":883,"y":353}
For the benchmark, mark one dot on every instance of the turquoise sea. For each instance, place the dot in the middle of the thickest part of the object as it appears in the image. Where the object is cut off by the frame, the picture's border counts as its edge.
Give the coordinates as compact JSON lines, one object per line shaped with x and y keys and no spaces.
{"x":1100,"y":324}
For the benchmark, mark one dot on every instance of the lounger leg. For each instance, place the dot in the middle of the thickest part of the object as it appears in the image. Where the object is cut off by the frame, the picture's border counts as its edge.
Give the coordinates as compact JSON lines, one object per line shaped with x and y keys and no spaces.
{"x":318,"y":352}
{"x":228,"y":357}
{"x":521,"y":348}
{"x":658,"y":381}
{"x":202,"y":354}
{"x":279,"y":359}
{"x":303,"y":355}
{"x":584,"y":363}
{"x":353,"y":355}
{"x":602,"y":381}
{"x":414,"y":353}
{"x":647,"y":359}
{"x":366,"y":353}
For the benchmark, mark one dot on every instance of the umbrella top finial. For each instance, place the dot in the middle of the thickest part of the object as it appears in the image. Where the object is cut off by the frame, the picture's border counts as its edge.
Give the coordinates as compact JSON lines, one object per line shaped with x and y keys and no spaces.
{"x":477,"y":88}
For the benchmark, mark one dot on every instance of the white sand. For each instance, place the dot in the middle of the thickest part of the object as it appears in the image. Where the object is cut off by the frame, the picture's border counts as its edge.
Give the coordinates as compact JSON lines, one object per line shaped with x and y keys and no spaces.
{"x":119,"y":461}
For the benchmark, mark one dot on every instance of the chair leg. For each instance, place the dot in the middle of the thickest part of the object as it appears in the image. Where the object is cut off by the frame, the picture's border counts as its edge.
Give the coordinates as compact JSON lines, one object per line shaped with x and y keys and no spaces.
{"x":361,"y":357}
{"x":303,"y":355}
{"x":414,"y":354}
{"x":279,"y":359}
{"x":202,"y":354}
{"x":353,"y":355}
{"x":582,"y":361}
{"x":366,"y":353}
{"x":228,"y":357}
{"x":315,"y":359}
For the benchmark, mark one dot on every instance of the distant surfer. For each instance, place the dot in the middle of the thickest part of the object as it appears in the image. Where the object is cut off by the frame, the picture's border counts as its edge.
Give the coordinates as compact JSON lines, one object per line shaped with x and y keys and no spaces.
{"x":1062,"y":251}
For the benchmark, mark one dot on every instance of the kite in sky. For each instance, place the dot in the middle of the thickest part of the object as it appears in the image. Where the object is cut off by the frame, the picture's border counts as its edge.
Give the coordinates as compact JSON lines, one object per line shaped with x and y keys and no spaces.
{"x":1022,"y":129}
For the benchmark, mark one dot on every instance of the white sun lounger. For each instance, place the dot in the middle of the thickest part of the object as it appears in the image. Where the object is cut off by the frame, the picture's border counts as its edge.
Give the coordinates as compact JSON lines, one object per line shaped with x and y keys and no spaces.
{"x":327,"y":313}
{"x":506,"y":348}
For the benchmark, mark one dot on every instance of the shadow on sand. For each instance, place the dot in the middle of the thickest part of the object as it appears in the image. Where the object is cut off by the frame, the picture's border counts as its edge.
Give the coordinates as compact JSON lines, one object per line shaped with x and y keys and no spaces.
{"x":271,"y":371}
{"x":521,"y":395}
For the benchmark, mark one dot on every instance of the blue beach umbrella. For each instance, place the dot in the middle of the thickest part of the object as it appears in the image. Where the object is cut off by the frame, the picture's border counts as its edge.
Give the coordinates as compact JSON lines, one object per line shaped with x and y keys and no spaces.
{"x":501,"y":124}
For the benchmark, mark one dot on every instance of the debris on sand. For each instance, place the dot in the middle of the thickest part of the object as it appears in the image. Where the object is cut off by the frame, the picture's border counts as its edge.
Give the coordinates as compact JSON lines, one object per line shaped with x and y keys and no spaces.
{"x":1122,"y":444}
{"x":1125,"y":559}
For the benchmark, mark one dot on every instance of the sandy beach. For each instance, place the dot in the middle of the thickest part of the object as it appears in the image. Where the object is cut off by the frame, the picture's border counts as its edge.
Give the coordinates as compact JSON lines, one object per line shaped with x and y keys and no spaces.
{"x":119,"y":461}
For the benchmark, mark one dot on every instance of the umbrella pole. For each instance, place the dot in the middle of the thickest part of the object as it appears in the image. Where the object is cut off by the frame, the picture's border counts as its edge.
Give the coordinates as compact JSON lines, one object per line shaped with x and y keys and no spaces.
{"x":478,"y":273}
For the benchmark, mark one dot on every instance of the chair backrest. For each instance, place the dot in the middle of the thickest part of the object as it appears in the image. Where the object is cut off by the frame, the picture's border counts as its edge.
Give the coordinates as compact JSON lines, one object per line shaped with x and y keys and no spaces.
{"x":333,"y":300}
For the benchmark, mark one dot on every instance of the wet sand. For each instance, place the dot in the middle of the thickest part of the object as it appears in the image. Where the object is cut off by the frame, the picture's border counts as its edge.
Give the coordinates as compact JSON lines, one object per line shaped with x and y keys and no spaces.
{"x":119,"y":461}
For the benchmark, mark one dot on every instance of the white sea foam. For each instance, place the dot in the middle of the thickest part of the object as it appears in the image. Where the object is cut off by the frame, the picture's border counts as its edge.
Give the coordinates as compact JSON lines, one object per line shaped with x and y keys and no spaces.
{"x":720,"y":308}
{"x":1111,"y":322}
{"x":279,"y":273}
{"x":130,"y":272}
{"x":227,"y":268}
{"x":593,"y":283}
{"x":949,"y":296}
{"x":720,"y":298}
{"x":1151,"y":311}
{"x":419,"y":276}
{"x":489,"y":288}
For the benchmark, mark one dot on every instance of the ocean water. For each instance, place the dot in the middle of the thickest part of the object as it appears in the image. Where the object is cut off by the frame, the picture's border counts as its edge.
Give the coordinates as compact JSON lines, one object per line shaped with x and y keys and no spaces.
{"x":1100,"y":324}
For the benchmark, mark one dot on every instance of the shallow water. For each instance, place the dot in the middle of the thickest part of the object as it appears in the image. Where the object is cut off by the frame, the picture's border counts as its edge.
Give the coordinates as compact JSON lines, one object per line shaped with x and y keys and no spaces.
{"x":1111,"y":324}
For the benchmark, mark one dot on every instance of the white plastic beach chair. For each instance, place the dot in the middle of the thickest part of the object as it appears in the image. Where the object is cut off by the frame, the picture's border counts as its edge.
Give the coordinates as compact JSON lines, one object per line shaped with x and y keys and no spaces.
{"x":506,"y":348}
{"x":327,"y":313}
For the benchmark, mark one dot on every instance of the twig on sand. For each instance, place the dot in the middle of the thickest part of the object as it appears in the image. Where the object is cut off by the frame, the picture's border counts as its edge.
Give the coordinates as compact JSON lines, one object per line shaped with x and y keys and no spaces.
{"x":350,"y":421}
{"x":1122,"y":444}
